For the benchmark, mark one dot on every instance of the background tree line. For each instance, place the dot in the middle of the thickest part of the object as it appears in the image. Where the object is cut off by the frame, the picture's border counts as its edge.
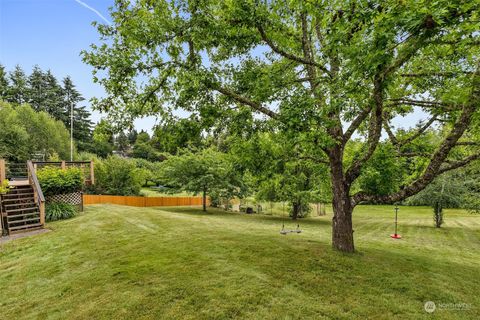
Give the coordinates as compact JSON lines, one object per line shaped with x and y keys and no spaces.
{"x":45,"y":93}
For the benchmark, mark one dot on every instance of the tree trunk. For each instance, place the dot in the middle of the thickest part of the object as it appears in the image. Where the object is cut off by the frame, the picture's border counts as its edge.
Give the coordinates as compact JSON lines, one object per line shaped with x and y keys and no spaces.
{"x":295,"y":210}
{"x":342,"y":228}
{"x":204,"y":200}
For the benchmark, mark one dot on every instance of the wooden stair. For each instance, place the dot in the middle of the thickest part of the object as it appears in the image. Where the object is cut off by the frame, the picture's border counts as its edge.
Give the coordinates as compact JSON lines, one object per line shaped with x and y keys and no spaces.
{"x":20,"y":210}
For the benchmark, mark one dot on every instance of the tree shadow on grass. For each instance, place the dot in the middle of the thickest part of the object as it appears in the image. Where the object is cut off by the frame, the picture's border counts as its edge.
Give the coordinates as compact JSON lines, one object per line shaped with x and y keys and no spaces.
{"x":324,"y":220}
{"x":366,"y":281}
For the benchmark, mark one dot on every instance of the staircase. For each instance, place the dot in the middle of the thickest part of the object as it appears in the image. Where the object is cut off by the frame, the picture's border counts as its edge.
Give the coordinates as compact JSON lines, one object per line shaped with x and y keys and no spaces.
{"x":20,"y":210}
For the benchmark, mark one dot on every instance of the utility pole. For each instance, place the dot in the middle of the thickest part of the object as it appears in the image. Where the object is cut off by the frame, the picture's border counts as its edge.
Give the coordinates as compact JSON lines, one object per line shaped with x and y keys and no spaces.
{"x":71,"y":128}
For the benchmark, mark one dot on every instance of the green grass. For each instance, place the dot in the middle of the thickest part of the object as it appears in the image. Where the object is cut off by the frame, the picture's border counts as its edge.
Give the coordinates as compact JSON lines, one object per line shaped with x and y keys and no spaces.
{"x":148,"y":192}
{"x":115,"y":262}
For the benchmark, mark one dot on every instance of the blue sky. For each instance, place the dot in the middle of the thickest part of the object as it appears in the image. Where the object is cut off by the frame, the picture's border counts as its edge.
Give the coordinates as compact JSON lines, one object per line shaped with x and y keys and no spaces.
{"x":52,"y":33}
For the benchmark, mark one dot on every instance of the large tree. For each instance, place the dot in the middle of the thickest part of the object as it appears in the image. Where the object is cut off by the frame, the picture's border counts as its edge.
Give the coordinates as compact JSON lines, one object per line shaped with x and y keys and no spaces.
{"x":323,"y":71}
{"x":26,"y":133}
{"x":208,"y":172}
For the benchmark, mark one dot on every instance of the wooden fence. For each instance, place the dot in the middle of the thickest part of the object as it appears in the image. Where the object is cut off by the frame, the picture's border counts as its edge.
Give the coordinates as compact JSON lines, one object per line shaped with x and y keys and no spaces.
{"x":143,"y":201}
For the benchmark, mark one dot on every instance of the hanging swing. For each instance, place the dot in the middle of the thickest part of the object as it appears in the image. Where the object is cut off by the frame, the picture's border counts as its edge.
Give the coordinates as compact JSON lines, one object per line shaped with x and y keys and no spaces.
{"x":286,"y":231}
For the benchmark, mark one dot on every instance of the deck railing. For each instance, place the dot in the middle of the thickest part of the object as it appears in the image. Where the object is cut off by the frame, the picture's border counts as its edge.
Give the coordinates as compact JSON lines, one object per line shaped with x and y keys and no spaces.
{"x":15,"y":170}
{"x":87,"y":168}
{"x":37,"y":190}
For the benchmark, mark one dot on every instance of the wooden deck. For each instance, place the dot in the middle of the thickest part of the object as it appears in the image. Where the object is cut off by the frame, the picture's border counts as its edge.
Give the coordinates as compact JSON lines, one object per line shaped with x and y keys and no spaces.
{"x":18,"y":183}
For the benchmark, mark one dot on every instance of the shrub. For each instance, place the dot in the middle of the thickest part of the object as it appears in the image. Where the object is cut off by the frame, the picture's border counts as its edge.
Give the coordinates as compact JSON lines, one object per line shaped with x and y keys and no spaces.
{"x":59,"y":181}
{"x":4,"y":186}
{"x":118,"y":176}
{"x":59,"y":211}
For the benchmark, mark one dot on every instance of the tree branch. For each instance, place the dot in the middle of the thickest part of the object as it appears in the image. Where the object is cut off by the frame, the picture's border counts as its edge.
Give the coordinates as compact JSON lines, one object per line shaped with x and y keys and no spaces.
{"x":438,"y":159}
{"x":468,"y":143}
{"x":356,"y":123}
{"x":307,"y":53}
{"x":390,"y":133}
{"x":375,"y":131}
{"x":403,"y":57}
{"x":434,"y":74}
{"x":425,"y":104}
{"x":419,"y":132}
{"x":458,"y":164}
{"x":288,"y":55}
{"x":241,"y":99}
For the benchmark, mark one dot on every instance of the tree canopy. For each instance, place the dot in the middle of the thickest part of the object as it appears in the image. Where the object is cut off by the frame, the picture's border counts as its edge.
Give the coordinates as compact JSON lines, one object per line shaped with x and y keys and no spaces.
{"x":208,"y":172}
{"x":322,"y":72}
{"x":25,"y":133}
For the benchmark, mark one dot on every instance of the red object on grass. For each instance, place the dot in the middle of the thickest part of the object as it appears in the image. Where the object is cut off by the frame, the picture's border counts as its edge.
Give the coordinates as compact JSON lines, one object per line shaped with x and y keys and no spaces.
{"x":395,"y":236}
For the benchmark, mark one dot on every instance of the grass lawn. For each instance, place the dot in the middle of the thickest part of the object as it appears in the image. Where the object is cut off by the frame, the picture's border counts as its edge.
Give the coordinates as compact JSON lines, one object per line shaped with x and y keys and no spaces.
{"x":148,"y":192}
{"x":115,"y":262}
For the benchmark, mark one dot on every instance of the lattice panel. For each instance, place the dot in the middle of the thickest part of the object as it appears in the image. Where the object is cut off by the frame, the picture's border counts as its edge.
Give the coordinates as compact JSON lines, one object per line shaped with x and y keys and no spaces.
{"x":74,"y":198}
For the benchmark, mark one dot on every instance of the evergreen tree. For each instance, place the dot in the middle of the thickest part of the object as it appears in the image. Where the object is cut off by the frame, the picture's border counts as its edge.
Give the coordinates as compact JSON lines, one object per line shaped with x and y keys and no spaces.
{"x":82,"y":128}
{"x":53,"y":98}
{"x":143,"y":137}
{"x":3,"y":83}
{"x":132,"y":136}
{"x":18,"y":90}
{"x":37,"y":89}
{"x":82,"y":125}
{"x":121,"y":142}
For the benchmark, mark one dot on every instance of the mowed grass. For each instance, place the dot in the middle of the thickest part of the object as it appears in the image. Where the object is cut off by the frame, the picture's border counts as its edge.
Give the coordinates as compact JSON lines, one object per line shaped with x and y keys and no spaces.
{"x":148,"y":192}
{"x":116,"y":262}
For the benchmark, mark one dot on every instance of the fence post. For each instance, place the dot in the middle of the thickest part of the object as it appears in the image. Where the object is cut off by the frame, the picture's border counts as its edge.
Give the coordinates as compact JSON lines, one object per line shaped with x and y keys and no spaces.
{"x":92,"y":173}
{"x":2,"y":170}
{"x":63,"y":165}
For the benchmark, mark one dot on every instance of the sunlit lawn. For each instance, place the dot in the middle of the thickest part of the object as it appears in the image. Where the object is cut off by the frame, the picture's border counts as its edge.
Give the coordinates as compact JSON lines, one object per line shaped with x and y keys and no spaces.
{"x":115,"y":262}
{"x":149,"y":192}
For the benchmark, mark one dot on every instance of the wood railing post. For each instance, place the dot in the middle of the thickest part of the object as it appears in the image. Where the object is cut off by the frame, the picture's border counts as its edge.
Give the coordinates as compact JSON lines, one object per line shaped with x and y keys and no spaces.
{"x":92,"y":173}
{"x":2,"y":170}
{"x":63,"y":166}
{"x":42,"y":213}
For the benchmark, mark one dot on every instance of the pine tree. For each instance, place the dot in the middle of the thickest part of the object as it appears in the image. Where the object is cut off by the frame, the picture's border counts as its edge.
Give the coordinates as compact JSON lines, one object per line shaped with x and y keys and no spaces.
{"x":82,"y":125}
{"x":82,"y":128}
{"x":37,"y":89}
{"x":3,"y":83}
{"x":18,"y":90}
{"x":54,"y":104}
{"x":121,"y":142}
{"x":132,"y":136}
